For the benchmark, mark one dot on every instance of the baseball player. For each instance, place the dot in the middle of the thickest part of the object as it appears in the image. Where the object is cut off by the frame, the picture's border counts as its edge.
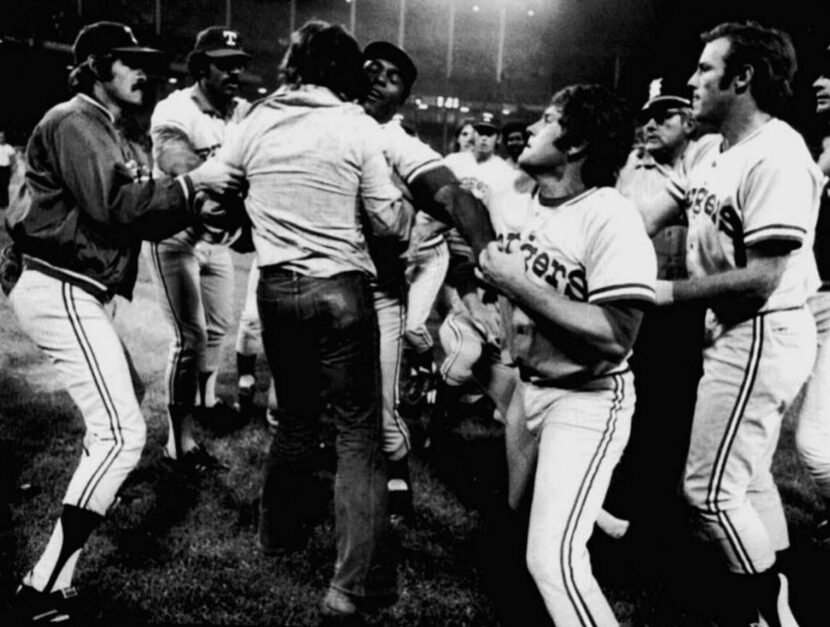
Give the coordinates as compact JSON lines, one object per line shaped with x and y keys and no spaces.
{"x":578,"y":278}
{"x":750,"y":199}
{"x":193,"y":274}
{"x":248,"y":346}
{"x":813,"y":432}
{"x":420,"y":170}
{"x":91,"y":204}
{"x":471,"y":333}
{"x":652,"y":466}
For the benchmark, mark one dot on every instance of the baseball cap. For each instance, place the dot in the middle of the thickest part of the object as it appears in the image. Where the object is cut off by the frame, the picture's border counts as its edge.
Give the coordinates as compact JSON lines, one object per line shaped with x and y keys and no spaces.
{"x":661,"y":99}
{"x":486,"y":120}
{"x":219,"y":41}
{"x":390,"y":52}
{"x":104,"y":38}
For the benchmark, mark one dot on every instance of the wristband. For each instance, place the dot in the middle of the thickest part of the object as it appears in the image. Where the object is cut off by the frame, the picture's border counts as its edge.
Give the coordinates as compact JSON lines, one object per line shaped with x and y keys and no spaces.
{"x":664,"y":292}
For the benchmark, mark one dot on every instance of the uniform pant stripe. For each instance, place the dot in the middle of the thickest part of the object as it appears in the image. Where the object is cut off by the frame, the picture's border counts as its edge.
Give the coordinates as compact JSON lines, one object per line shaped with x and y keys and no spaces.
{"x":175,"y":359}
{"x":577,"y":600}
{"x":716,"y":481}
{"x":396,"y":391}
{"x":449,"y":360}
{"x":106,"y":398}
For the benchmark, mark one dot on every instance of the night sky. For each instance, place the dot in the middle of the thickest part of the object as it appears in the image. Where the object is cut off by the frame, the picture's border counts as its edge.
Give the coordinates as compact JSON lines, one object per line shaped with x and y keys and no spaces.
{"x":548,"y":44}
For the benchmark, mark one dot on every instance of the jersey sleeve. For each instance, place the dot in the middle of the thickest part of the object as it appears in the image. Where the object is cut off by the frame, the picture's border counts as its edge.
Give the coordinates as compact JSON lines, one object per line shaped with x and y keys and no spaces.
{"x":409,"y":156}
{"x":620,"y":259}
{"x":379,"y":195}
{"x":777,"y":200}
{"x":170,"y":113}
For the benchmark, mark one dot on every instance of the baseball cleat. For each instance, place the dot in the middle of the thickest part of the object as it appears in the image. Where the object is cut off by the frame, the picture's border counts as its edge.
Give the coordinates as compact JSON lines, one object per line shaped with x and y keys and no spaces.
{"x":197,"y":460}
{"x":784,"y":614}
{"x":612,"y":526}
{"x":337,"y":604}
{"x":221,"y":417}
{"x":32,"y":607}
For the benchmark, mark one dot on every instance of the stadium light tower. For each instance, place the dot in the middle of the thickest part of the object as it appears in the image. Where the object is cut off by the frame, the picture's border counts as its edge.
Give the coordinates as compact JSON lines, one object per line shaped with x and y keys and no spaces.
{"x":401,"y":22}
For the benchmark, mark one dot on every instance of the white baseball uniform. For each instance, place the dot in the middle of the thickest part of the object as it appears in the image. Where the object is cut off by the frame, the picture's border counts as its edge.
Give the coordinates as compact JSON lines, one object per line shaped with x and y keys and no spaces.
{"x":592,"y":249}
{"x":194,"y":276}
{"x":410,"y":160}
{"x":505,"y":192}
{"x":763,"y":189}
{"x":812,"y":436}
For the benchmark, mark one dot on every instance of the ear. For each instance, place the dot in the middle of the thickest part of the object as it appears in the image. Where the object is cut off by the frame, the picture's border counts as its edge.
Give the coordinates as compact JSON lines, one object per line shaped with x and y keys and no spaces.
{"x":576,"y":152}
{"x":742,"y":78}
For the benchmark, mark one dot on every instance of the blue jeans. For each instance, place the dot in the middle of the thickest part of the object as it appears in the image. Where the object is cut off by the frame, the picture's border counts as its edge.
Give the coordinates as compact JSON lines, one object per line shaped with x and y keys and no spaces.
{"x":321,"y":339}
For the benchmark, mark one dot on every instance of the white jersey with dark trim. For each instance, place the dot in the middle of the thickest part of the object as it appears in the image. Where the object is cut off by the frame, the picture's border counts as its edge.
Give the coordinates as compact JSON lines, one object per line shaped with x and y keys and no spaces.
{"x":409,"y":158}
{"x":592,"y":249}
{"x":187,"y":111}
{"x":205,"y":128}
{"x":765,"y":188}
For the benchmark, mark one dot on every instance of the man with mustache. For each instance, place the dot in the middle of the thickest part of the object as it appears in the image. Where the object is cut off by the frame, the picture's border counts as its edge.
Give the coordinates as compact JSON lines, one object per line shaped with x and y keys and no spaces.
{"x":91,"y":204}
{"x":193,"y":273}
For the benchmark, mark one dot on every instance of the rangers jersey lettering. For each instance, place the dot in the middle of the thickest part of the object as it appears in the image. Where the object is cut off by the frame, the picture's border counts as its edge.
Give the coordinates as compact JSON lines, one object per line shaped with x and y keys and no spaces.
{"x":593,"y":249}
{"x":765,"y":188}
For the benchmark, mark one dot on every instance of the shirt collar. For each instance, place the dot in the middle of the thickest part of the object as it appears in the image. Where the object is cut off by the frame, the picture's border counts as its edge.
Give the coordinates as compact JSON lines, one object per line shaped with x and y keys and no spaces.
{"x":95,"y":103}
{"x":204,"y":105}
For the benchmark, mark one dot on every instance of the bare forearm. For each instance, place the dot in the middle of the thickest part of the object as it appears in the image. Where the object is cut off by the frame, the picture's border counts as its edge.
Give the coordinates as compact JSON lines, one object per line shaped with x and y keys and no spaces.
{"x":174,"y":152}
{"x":582,"y":329}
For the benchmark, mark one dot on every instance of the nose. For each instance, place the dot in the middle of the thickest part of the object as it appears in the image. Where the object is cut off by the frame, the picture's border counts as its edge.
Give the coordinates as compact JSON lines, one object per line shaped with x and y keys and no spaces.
{"x":651,"y":124}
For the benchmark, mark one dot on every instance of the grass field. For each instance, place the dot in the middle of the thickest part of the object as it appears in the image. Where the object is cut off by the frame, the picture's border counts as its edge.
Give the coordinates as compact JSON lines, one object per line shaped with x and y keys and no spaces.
{"x":181,"y":552}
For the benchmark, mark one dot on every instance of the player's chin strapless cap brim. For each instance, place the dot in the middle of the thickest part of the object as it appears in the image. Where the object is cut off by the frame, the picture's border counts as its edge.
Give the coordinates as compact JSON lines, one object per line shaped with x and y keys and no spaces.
{"x":145,"y":58}
{"x":225,"y":53}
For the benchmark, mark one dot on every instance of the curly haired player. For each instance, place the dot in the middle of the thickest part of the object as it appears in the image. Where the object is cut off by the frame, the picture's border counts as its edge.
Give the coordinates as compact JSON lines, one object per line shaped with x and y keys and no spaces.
{"x":579,"y":278}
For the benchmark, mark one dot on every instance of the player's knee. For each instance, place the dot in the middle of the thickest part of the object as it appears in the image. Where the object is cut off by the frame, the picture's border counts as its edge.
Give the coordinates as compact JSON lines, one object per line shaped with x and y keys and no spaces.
{"x":544,"y":567}
{"x":695,"y":494}
{"x":811,"y":449}
{"x":135,"y":435}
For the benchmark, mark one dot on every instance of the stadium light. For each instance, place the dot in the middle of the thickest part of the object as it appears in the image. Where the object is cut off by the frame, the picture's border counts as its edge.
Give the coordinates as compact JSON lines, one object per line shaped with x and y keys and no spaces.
{"x":172,"y":80}
{"x":262,"y":90}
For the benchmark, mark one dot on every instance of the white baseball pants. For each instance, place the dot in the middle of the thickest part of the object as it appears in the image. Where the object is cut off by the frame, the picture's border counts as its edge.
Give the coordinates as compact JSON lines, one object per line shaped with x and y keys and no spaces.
{"x":391,"y":314}
{"x":76,"y":332}
{"x":582,"y":434}
{"x":812,"y":437}
{"x":751,"y":373}
{"x":427,"y":279}
{"x":249,"y":335}
{"x":195,"y":286}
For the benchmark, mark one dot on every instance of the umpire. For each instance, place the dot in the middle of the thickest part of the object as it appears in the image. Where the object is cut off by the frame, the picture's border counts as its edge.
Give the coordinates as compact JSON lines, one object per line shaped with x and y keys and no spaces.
{"x":91,"y":205}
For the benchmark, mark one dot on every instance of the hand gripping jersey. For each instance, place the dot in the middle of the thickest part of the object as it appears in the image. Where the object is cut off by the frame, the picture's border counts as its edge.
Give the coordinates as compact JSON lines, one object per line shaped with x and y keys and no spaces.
{"x":765,"y":188}
{"x":594,"y":249}
{"x":187,"y":112}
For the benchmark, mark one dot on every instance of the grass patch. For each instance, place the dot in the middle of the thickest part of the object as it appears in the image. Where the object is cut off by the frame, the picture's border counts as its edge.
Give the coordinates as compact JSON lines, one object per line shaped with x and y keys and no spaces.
{"x":182,"y":552}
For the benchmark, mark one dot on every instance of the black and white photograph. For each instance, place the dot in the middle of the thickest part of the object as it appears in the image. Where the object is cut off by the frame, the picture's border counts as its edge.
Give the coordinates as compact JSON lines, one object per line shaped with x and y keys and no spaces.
{"x":415,"y":313}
